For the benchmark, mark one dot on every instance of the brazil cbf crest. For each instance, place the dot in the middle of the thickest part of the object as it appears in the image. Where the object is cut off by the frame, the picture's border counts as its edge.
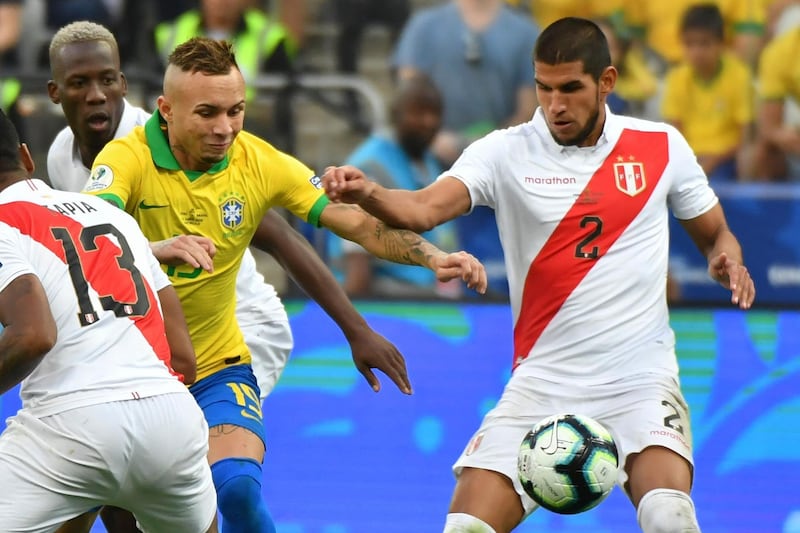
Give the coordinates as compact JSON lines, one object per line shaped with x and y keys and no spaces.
{"x":232,"y":211}
{"x":629,"y":176}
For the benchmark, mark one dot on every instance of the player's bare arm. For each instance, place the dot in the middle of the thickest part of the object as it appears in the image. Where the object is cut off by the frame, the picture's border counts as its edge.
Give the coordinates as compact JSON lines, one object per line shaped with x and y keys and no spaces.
{"x":29,"y":329}
{"x":193,"y":250}
{"x":772,"y":127}
{"x":419,"y":210}
{"x":180,"y":343}
{"x":369,"y":349}
{"x":402,"y":246}
{"x":714,"y":239}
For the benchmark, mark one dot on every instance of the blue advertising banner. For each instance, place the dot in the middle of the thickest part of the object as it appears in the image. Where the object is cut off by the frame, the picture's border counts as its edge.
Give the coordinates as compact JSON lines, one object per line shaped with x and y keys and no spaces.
{"x":766,"y":220}
{"x":342,"y":459}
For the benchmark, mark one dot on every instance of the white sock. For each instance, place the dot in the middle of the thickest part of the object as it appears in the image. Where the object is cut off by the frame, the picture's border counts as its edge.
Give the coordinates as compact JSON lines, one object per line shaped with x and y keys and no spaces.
{"x":464,"y":523}
{"x":667,"y":511}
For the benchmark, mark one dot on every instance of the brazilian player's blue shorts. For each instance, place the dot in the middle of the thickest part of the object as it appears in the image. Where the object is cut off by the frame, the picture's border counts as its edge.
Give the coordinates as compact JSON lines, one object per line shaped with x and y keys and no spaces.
{"x":231,"y":396}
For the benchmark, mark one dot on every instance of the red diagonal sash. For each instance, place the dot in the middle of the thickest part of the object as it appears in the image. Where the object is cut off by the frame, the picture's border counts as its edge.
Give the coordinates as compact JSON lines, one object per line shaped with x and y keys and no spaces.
{"x":615,"y":195}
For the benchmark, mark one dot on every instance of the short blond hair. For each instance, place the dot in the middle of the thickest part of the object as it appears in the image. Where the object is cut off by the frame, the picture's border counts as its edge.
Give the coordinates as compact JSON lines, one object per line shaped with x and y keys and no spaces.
{"x":82,"y":31}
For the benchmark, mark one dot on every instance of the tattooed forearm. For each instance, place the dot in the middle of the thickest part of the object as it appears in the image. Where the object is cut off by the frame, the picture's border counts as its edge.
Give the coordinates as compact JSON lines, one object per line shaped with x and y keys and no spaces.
{"x":403,"y":246}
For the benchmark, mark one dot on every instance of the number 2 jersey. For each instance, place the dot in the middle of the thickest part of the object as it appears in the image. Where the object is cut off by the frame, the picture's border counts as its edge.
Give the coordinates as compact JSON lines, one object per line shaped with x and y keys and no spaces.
{"x":101,"y":281}
{"x":585,"y":236}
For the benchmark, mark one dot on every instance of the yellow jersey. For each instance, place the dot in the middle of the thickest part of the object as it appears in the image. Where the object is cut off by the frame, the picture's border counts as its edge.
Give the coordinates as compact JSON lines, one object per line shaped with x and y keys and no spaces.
{"x":545,"y":12}
{"x":140,"y":174}
{"x":778,"y":69}
{"x":660,"y":22}
{"x":711,"y":114}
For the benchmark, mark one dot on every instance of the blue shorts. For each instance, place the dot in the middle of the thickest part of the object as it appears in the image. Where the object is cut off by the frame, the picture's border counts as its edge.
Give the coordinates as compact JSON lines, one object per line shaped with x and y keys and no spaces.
{"x":231,"y":396}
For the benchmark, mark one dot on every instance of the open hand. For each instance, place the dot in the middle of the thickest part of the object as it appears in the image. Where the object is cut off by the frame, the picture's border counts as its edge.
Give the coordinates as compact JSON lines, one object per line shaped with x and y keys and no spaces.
{"x":191,"y":250}
{"x":372,"y":350}
{"x":734,"y":276}
{"x":461,"y":265}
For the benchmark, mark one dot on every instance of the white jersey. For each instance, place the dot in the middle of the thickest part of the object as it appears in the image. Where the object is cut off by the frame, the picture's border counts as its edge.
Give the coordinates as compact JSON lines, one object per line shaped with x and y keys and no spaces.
{"x":585,"y":235}
{"x":257,"y":301}
{"x":64,"y":165}
{"x":111,"y":342}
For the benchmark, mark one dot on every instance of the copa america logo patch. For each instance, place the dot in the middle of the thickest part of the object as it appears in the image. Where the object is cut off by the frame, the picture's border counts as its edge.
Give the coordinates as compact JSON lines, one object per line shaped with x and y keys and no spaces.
{"x":101,"y":178}
{"x":232,"y":212}
{"x":316,"y":181}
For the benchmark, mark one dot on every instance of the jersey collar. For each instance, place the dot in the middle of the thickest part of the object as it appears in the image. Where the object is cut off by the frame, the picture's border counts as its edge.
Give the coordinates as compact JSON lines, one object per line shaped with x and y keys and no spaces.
{"x":155,"y":131}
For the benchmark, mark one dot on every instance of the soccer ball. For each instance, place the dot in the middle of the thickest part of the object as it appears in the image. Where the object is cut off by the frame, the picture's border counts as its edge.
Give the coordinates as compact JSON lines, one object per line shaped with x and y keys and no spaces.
{"x":568,"y":463}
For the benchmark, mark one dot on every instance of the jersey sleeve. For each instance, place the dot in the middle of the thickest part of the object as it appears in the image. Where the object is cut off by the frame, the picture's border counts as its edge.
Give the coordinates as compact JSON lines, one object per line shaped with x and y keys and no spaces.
{"x":773,"y":76}
{"x":477,"y":168}
{"x":115,"y":175}
{"x":297,"y":188}
{"x":690,"y":195}
{"x":12,"y":263}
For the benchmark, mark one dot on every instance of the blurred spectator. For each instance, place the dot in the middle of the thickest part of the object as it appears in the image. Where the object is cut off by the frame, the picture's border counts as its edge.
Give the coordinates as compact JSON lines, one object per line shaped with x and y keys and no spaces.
{"x":636,"y":83}
{"x":10,"y":88}
{"x":398,"y":159}
{"x":658,"y":24}
{"x":478,"y":52}
{"x":293,"y":14}
{"x":352,"y":17}
{"x":262,"y":45}
{"x":709,"y":96}
{"x":545,"y":12}
{"x":778,"y":134}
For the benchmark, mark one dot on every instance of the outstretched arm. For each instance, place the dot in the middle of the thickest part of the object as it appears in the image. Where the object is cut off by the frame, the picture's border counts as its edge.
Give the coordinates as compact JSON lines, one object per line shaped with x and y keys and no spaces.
{"x":183,"y":358}
{"x":418,"y":210}
{"x":715,"y":241}
{"x":29,"y":329}
{"x":400,"y":245}
{"x":369,"y":349}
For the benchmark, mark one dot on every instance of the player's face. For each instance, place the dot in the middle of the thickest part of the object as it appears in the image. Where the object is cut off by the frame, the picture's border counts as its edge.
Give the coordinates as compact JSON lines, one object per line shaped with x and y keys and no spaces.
{"x":204,"y":115}
{"x":417,"y":125}
{"x":572,"y":101}
{"x":703,"y":51}
{"x":88,"y":84}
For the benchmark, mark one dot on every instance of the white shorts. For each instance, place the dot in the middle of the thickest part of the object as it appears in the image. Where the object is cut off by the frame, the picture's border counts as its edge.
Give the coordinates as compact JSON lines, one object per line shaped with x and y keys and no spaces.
{"x":642,"y":411}
{"x":270,"y":344}
{"x":147,"y":456}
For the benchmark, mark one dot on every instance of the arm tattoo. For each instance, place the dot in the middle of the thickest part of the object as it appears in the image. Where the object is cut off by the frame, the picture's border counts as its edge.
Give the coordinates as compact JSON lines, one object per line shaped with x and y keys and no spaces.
{"x":404,"y":246}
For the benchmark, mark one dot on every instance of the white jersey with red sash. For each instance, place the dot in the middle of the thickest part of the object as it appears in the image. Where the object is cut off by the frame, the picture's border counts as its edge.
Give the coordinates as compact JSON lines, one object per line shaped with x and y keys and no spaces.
{"x":101,"y":280}
{"x":585,"y":235}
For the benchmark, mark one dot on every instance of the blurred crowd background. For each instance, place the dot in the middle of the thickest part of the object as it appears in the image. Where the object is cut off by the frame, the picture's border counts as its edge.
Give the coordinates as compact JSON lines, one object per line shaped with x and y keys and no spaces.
{"x":400,"y":87}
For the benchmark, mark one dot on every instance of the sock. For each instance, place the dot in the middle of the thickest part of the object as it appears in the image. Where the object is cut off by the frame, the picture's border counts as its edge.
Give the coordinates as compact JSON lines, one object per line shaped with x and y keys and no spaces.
{"x":238,"y":484}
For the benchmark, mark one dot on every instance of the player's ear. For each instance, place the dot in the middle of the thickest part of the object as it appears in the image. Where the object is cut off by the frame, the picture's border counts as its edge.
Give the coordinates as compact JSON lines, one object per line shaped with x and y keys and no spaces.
{"x":607,"y":80}
{"x":52,"y":92}
{"x":26,"y":158}
{"x":123,"y":83}
{"x":164,"y":108}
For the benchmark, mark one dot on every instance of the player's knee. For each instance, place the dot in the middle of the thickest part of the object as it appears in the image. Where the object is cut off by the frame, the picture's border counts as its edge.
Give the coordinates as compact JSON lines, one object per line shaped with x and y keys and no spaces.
{"x":464,"y":523}
{"x":238,"y":484}
{"x":667,"y":511}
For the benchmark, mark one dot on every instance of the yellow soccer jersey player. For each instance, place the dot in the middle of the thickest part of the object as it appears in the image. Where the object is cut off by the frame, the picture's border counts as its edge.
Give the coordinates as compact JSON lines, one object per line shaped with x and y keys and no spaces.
{"x":140,"y":174}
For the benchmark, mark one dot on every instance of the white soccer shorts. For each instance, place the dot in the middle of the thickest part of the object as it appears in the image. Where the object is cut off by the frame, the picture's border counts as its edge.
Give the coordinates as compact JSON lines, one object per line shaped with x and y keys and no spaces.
{"x":270,"y":344}
{"x":147,"y":456}
{"x":643,"y":411}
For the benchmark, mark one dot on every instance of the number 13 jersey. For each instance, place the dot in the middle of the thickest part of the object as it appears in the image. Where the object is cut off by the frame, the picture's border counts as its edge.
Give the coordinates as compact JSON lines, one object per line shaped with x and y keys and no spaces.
{"x":101,"y":280}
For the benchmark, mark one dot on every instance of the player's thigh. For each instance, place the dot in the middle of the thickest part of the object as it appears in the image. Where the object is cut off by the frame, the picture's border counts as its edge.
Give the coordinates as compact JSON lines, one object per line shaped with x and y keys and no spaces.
{"x":649,"y":420}
{"x":56,"y":474}
{"x":231,"y":405}
{"x":488,"y":486}
{"x":657,"y":467}
{"x":270,"y":344}
{"x":487,"y":495}
{"x":169,"y":486}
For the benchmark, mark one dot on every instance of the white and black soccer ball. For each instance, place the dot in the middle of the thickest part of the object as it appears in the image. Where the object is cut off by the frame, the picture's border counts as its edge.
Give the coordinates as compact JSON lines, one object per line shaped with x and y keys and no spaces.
{"x":568,"y":463}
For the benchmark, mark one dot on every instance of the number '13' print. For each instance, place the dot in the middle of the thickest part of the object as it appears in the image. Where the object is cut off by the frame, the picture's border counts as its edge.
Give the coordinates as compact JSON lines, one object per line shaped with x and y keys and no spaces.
{"x":75,"y":252}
